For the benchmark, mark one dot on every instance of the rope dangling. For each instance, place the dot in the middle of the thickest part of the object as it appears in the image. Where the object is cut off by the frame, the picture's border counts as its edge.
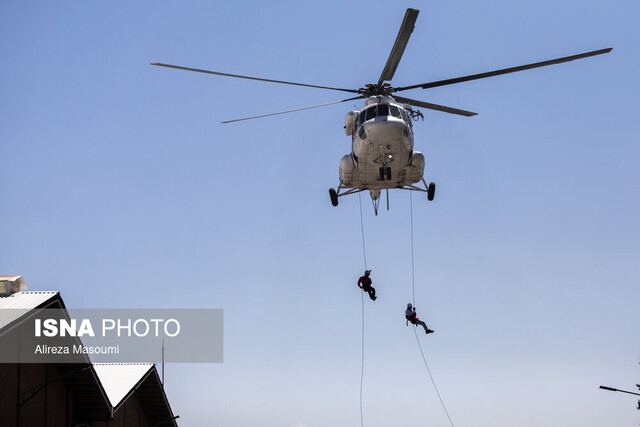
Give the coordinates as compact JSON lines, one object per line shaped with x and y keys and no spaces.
{"x":413,"y":272}
{"x":364,"y":252}
{"x":432,"y":380}
{"x":413,"y":294}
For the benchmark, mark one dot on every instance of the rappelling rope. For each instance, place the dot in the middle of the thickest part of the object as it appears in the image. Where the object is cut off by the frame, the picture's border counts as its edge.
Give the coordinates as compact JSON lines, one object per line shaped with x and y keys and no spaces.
{"x":413,"y":271}
{"x":431,"y":376}
{"x":413,"y":289}
{"x":362,"y":364}
{"x":364,"y":252}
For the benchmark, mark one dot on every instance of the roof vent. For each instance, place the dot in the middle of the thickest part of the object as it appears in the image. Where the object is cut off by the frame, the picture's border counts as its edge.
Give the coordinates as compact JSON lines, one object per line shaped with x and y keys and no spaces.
{"x":11,"y":284}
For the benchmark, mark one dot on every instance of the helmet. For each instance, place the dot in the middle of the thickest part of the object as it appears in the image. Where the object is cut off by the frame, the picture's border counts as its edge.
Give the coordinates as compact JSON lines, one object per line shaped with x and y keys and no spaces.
{"x":409,"y":306}
{"x":367,"y":272}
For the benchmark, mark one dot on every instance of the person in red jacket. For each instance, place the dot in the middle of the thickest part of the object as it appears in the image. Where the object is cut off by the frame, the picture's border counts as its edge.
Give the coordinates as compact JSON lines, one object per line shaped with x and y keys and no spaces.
{"x":410,"y":314}
{"x":364,"y":283}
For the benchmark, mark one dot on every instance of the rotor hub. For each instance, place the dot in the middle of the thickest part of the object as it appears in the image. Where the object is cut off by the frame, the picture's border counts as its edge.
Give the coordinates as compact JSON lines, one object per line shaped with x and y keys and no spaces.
{"x":373,"y":89}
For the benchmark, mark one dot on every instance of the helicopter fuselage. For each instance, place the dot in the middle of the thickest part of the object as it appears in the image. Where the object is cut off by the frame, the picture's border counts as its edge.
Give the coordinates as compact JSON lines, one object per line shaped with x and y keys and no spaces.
{"x":382,"y":155}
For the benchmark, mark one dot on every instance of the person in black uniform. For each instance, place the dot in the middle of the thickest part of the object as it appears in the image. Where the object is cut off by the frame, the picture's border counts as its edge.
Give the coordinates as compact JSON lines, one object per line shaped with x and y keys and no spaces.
{"x":364,"y":283}
{"x":410,"y":315}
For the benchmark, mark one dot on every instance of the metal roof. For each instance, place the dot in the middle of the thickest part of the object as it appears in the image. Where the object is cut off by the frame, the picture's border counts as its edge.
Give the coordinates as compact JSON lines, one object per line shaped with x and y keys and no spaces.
{"x":99,"y":389}
{"x":119,"y":379}
{"x":90,"y":401}
{"x":14,"y":306}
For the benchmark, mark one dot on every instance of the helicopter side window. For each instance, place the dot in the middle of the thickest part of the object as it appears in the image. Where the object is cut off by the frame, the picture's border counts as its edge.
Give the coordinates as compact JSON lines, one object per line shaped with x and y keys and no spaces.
{"x":371,"y":113}
{"x":383,"y":110}
{"x":361,"y":118}
{"x":395,"y":111}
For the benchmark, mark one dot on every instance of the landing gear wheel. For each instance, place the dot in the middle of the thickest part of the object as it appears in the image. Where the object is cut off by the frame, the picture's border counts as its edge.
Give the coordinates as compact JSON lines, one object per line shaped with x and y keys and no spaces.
{"x":431,"y":191}
{"x":334,"y":196}
{"x":389,"y":173}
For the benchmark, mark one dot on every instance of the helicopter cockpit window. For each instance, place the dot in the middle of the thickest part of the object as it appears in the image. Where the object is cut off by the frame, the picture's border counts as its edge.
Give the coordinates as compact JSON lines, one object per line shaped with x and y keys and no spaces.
{"x":395,"y":111}
{"x":361,"y":118}
{"x":383,"y":110}
{"x":371,"y":113}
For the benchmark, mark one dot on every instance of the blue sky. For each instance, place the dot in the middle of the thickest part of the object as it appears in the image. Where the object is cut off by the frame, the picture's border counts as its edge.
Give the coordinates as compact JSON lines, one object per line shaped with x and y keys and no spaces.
{"x":122,"y":189}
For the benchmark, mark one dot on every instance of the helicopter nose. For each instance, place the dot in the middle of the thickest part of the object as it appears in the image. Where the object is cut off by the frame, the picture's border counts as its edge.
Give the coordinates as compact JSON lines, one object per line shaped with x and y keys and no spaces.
{"x":388,"y":130}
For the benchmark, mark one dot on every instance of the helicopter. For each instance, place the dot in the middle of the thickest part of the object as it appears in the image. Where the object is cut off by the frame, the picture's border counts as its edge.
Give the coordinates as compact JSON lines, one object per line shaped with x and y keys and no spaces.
{"x":382,"y":138}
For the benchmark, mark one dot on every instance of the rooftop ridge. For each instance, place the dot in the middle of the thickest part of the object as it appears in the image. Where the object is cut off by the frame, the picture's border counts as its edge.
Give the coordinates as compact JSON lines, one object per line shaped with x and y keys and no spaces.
{"x":123,"y":363}
{"x":17,"y":294}
{"x":38,"y":292}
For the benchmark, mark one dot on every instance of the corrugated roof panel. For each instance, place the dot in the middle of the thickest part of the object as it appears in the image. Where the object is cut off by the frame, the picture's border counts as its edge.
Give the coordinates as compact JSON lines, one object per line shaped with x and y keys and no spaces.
{"x":17,"y":305}
{"x":118,"y":379}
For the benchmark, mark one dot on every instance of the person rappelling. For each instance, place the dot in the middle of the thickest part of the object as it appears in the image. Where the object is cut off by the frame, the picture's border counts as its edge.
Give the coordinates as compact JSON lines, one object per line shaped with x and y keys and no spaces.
{"x":364,"y":283}
{"x":411,"y":316}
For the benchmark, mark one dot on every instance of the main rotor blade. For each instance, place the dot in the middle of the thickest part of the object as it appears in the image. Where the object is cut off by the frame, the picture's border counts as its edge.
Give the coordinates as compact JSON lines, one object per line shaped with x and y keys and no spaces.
{"x":296,"y":109}
{"x":505,"y":70}
{"x":434,"y":106}
{"x":401,"y":43}
{"x":197,"y":70}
